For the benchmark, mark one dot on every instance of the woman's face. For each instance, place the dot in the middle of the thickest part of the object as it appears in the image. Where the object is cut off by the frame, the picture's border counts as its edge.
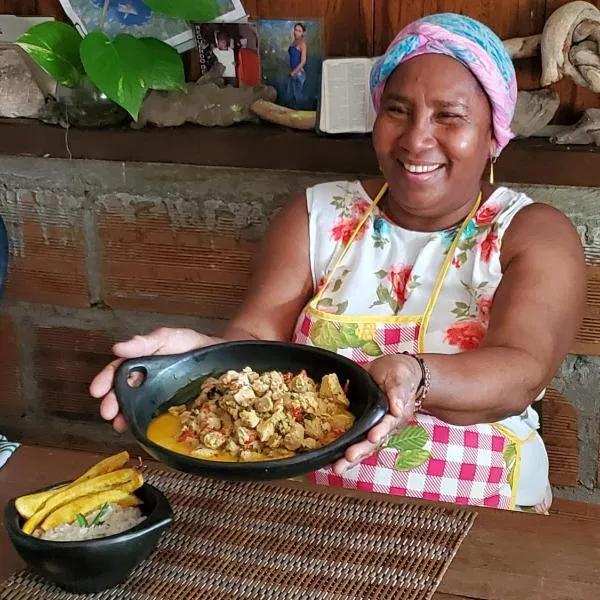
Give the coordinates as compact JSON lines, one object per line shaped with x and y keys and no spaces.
{"x":433,"y":134}
{"x":298,"y":32}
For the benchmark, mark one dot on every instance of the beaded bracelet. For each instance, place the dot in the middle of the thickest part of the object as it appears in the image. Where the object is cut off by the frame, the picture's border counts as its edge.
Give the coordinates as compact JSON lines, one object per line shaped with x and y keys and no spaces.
{"x":425,"y":382}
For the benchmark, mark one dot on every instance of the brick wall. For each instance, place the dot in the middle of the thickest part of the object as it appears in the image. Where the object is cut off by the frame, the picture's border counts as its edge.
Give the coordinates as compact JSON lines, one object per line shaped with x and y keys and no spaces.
{"x":101,"y":251}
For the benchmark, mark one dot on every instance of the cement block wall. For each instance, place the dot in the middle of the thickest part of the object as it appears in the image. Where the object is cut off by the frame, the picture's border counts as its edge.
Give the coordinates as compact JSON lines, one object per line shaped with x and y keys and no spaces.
{"x":104,"y":250}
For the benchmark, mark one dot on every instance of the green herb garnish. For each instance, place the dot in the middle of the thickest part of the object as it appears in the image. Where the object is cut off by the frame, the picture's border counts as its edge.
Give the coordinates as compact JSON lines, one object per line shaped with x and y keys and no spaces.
{"x":82,"y":521}
{"x":98,"y":516}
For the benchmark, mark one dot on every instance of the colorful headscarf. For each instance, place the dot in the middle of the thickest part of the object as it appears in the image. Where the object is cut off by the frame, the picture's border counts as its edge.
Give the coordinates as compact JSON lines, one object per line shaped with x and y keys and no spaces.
{"x":471,"y":43}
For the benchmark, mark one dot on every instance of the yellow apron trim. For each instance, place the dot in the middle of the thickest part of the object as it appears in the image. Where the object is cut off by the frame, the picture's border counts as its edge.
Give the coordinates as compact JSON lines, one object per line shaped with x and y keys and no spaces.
{"x":324,"y":316}
{"x":511,"y":436}
{"x":345,"y":249}
{"x":518,"y":442}
{"x":442,"y":276}
{"x":516,"y":477}
{"x":423,"y":320}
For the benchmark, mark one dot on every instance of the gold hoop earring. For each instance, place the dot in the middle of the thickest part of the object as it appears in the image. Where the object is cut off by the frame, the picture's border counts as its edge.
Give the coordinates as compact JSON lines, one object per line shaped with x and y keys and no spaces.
{"x":492,"y":161}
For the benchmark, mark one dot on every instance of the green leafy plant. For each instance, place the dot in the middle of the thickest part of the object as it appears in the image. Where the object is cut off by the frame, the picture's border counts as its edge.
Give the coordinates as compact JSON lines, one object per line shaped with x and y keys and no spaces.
{"x":124,"y":68}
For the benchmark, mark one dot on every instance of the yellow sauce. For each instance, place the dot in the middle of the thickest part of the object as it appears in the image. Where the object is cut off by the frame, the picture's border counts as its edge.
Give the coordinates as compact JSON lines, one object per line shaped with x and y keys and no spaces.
{"x":164,"y":431}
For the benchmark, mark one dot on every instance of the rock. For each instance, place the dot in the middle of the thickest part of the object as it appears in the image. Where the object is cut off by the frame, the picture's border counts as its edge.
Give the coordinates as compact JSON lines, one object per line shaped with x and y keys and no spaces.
{"x":585,"y":131}
{"x":20,"y":93}
{"x":207,"y":102}
{"x":534,"y":111}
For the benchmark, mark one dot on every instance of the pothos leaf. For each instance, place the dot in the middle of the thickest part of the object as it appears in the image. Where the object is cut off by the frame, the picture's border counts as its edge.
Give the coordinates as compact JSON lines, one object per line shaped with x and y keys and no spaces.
{"x":126,"y":67}
{"x":114,"y":67}
{"x":188,"y":10}
{"x":55,"y":47}
{"x":164,"y":66}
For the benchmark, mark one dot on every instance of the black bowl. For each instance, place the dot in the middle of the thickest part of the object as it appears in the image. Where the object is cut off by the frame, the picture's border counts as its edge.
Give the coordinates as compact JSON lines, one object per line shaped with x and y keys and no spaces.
{"x":171,"y":380}
{"x":93,"y":565}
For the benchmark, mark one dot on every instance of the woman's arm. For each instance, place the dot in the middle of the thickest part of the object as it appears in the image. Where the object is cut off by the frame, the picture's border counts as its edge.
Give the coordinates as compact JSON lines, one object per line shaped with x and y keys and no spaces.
{"x":535,"y":315}
{"x":302,"y":61}
{"x":280,"y":286}
{"x":281,"y":282}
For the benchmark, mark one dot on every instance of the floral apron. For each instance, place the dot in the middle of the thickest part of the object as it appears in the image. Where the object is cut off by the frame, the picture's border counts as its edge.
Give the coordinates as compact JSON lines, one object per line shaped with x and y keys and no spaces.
{"x":429,"y":459}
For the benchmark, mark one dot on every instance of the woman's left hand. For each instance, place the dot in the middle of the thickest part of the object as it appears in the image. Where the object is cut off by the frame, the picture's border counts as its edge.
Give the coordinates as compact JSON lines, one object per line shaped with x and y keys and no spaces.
{"x":399,"y":376}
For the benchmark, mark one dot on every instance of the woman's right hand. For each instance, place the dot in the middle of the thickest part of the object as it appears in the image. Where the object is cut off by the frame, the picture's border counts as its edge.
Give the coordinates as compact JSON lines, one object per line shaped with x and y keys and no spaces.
{"x":160,"y":341}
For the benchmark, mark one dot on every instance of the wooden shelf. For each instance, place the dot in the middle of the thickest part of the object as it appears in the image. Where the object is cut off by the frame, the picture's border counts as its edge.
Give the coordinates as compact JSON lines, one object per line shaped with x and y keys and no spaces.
{"x":529,"y":161}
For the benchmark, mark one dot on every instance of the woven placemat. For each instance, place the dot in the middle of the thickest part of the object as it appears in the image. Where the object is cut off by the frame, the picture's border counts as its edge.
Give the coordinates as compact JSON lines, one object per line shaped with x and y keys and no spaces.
{"x":260,"y":541}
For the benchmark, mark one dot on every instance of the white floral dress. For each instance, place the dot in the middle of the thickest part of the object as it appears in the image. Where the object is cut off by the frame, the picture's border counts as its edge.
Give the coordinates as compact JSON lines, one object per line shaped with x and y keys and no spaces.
{"x":382,"y":289}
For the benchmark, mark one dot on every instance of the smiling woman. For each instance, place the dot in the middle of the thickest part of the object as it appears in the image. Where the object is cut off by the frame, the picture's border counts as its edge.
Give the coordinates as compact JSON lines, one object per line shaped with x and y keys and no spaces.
{"x":461,"y":298}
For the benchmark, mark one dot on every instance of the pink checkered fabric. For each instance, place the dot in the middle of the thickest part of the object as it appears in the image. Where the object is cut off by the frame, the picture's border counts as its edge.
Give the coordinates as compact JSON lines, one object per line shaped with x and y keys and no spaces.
{"x":464,"y":465}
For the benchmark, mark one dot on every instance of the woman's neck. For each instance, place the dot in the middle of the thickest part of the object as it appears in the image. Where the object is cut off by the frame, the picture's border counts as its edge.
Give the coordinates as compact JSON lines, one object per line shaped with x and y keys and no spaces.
{"x":413,"y":221}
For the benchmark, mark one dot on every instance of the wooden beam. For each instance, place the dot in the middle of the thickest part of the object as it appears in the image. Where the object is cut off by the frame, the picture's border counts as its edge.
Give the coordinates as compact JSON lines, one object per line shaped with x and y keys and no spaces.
{"x":531,"y":161}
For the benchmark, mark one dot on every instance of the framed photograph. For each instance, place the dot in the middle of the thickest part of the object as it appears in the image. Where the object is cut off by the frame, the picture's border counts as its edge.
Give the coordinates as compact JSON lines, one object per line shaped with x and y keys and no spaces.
{"x":291,"y":58}
{"x":235,"y":46}
{"x":134,"y":17}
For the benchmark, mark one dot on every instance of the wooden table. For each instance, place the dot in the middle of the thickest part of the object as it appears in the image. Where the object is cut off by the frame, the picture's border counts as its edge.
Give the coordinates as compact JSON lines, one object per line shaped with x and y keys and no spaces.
{"x":506,"y":556}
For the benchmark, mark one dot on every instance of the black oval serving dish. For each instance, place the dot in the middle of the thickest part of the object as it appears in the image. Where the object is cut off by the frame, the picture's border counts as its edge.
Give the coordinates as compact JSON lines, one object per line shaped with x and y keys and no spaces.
{"x":89,"y":566}
{"x":176,"y":379}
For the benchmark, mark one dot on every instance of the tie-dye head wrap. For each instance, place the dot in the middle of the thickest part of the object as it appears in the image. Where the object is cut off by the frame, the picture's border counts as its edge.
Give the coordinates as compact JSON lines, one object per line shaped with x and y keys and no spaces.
{"x":471,"y":43}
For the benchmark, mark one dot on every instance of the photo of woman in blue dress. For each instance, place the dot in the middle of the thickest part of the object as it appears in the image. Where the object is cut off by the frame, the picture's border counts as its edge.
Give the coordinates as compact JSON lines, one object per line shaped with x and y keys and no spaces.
{"x":298,"y":56}
{"x":292,"y":66}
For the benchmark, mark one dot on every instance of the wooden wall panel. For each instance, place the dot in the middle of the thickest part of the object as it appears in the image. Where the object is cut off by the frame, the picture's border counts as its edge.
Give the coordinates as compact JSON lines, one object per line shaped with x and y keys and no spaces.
{"x":348,"y":24}
{"x":43,"y":8}
{"x":508,"y":18}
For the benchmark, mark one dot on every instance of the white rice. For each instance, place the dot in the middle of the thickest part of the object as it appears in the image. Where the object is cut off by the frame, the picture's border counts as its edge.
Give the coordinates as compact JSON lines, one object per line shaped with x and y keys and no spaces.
{"x":115,"y":520}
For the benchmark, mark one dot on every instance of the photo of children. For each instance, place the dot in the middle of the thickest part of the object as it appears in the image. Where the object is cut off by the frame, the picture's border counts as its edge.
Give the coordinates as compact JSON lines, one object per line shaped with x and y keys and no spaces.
{"x":233,"y":45}
{"x":291,"y":55}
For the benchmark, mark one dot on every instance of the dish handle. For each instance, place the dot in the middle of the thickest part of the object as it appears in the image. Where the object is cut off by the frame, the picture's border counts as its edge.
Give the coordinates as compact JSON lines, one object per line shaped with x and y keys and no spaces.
{"x":143,"y":370}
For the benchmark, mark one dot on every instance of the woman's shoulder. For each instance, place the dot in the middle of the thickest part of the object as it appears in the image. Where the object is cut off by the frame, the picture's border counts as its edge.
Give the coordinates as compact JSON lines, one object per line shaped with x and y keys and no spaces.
{"x":336,"y":194}
{"x":501,"y":206}
{"x":539,"y":225}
